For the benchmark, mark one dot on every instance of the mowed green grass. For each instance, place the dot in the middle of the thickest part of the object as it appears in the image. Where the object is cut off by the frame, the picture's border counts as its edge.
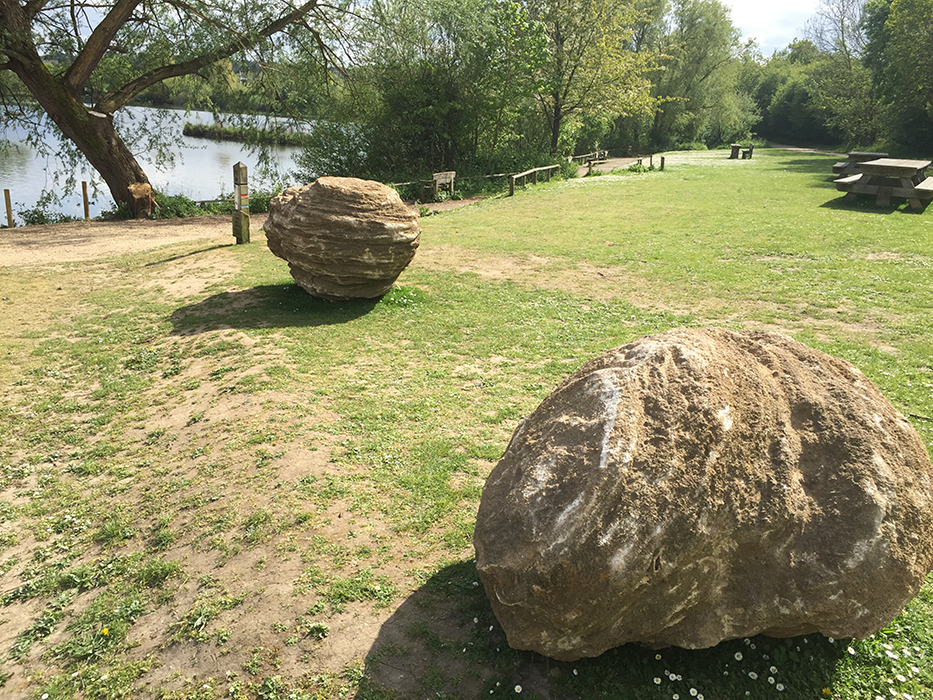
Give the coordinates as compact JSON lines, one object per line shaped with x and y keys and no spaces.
{"x":169,"y":452}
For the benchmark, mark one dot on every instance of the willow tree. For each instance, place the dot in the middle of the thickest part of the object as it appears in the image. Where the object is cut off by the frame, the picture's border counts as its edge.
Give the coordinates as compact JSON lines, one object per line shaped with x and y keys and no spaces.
{"x":82,"y":61}
{"x":592,"y":68}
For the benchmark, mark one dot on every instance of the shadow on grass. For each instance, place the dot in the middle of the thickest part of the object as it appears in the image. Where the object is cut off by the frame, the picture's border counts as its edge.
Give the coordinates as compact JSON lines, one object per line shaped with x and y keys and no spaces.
{"x":200,"y":251}
{"x":269,"y":306}
{"x":811,"y":165}
{"x":866,"y":204}
{"x":444,"y":641}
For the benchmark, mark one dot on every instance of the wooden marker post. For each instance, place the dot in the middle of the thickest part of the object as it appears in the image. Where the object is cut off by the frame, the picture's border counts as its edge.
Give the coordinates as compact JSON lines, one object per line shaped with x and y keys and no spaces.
{"x":9,"y":208}
{"x":240,"y":204}
{"x":87,"y":206}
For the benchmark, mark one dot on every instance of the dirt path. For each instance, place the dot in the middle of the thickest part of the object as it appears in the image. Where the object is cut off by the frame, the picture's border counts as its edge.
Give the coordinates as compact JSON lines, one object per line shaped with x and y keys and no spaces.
{"x":89,"y":240}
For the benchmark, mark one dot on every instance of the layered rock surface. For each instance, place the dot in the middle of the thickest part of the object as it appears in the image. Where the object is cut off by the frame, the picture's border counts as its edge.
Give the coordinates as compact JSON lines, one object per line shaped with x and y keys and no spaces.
{"x":343,"y":238}
{"x":702,"y":485}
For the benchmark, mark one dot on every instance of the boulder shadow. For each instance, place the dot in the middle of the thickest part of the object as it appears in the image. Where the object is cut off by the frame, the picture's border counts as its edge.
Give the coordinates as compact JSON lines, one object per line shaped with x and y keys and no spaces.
{"x":267,"y":306}
{"x":444,"y":641}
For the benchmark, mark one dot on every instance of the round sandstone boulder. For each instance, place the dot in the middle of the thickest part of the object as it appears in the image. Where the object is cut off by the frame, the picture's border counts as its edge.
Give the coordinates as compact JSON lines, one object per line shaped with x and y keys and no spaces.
{"x":704,"y":485}
{"x":343,"y":238}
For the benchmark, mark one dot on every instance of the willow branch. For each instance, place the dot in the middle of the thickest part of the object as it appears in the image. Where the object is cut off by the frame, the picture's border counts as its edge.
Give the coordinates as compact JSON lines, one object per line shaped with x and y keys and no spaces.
{"x":119,"y":97}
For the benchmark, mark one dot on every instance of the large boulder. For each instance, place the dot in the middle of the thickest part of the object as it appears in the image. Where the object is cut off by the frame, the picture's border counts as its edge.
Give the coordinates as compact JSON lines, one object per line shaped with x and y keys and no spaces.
{"x":704,"y":485}
{"x":343,"y":238}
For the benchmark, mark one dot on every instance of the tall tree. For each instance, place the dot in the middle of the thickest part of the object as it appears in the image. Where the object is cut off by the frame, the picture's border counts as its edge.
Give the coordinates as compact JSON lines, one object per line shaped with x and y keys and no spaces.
{"x":699,"y":81}
{"x":836,"y":28}
{"x":83,"y":60}
{"x":592,"y":67}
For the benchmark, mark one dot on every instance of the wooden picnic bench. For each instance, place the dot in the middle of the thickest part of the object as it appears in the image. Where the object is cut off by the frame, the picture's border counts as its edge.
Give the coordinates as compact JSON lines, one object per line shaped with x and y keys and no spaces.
{"x":850,"y":165}
{"x":889,"y":177}
{"x":746,"y":152}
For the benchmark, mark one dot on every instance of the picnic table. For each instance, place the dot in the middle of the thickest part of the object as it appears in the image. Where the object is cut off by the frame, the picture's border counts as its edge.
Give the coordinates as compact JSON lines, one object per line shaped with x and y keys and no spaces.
{"x":850,"y":165}
{"x":889,"y":177}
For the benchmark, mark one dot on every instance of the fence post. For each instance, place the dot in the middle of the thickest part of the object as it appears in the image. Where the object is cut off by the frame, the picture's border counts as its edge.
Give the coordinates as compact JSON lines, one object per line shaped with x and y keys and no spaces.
{"x":651,"y":161}
{"x":9,"y":208}
{"x":87,"y":207}
{"x":240,"y":204}
{"x":511,"y":185}
{"x":662,"y":162}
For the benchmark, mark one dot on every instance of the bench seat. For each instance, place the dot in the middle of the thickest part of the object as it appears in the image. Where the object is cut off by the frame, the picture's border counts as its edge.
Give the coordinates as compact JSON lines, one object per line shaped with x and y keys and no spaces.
{"x":926,"y":186}
{"x":844,"y":183}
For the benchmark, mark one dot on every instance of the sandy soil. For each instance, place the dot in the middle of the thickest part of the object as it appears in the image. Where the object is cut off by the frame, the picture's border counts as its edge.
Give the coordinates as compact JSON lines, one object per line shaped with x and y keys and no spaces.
{"x":88,"y":240}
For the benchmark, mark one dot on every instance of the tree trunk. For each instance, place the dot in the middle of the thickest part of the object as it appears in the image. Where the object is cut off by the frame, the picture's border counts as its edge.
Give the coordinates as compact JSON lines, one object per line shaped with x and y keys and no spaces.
{"x":94,"y":135}
{"x":108,"y":154}
{"x":92,"y":132}
{"x":556,"y":119}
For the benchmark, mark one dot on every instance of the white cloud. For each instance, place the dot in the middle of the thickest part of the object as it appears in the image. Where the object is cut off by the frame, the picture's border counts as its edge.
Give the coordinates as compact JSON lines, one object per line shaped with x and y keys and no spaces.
{"x":772,"y":23}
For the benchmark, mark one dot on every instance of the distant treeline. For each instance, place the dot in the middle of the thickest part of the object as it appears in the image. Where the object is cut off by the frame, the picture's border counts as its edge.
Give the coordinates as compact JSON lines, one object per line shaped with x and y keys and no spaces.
{"x":246,"y":134}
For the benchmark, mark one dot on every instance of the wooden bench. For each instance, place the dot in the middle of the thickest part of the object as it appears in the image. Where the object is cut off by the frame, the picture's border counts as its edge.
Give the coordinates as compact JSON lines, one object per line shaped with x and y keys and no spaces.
{"x":438,"y":182}
{"x":843,"y":183}
{"x":924,"y":189}
{"x":747,"y":152}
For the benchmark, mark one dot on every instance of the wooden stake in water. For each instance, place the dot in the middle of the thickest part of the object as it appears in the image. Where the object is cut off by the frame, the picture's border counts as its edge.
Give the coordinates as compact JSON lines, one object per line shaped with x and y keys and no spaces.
{"x":240,"y":204}
{"x":87,"y":206}
{"x":9,"y":208}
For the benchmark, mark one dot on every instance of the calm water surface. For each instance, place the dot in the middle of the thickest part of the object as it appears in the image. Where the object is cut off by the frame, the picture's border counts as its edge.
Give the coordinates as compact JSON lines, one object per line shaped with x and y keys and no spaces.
{"x":202,"y":169}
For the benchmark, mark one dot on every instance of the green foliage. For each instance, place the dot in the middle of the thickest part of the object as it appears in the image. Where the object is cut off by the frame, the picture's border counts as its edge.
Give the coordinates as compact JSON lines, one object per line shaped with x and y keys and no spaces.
{"x":246,"y":134}
{"x":697,"y":91}
{"x":790,"y":99}
{"x":180,"y":207}
{"x":43,"y":212}
{"x":444,"y":86}
{"x":360,"y":587}
{"x":843,"y":90}
{"x":898,"y":52}
{"x":259,"y":200}
{"x":338,"y":149}
{"x":589,"y":57}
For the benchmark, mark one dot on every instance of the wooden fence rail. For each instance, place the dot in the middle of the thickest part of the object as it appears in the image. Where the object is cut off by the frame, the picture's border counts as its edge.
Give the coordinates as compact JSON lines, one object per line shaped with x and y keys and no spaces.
{"x":595,"y":155}
{"x":547,"y":170}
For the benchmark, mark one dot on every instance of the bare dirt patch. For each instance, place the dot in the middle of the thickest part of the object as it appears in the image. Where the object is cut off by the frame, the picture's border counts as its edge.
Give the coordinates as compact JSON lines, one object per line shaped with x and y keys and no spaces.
{"x":88,"y":240}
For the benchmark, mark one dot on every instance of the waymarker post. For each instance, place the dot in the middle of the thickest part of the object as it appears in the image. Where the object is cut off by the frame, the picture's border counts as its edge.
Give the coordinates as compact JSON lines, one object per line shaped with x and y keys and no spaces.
{"x":240,"y":204}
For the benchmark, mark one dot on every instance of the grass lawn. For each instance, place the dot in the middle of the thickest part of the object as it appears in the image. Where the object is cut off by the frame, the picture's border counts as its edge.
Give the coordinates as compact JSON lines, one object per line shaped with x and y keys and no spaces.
{"x":213,"y":485}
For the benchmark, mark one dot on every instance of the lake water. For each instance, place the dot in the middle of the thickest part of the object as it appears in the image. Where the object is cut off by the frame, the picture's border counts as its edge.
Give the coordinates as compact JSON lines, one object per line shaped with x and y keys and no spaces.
{"x":202,"y":169}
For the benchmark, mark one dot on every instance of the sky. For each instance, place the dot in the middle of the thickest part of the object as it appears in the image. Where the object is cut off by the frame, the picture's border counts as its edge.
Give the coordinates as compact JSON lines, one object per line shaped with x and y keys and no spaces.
{"x":772,"y":23}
